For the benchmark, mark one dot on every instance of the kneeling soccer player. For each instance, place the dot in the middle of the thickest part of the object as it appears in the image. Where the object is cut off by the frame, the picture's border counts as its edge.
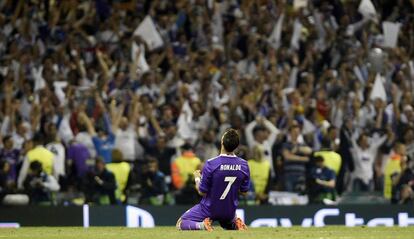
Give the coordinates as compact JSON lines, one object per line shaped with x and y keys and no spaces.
{"x":222,"y":179}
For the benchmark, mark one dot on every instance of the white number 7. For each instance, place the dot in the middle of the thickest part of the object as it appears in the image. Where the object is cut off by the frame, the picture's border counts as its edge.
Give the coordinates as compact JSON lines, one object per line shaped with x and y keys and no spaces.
{"x":226,"y":191}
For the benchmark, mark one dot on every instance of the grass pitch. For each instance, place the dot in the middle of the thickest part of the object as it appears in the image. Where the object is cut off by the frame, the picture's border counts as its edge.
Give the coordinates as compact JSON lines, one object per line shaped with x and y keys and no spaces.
{"x":331,"y":232}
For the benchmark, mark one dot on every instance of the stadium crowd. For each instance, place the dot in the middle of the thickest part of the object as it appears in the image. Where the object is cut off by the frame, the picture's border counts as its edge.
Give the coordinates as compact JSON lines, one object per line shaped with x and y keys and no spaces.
{"x":84,"y":120}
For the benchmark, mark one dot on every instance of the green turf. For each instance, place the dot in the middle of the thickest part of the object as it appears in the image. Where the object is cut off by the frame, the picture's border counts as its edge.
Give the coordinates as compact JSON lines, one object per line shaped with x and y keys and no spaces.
{"x":171,"y":233}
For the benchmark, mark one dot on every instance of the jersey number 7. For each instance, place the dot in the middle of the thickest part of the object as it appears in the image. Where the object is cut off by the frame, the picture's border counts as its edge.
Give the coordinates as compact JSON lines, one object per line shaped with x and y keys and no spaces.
{"x":230,"y":181}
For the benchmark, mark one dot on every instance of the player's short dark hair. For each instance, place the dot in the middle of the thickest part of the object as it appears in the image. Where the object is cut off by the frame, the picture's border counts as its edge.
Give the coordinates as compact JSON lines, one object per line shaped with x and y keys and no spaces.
{"x":230,"y":140}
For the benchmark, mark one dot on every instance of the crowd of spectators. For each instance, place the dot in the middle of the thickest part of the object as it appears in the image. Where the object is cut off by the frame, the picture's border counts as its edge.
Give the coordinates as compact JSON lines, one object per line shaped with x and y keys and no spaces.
{"x":81,"y":121}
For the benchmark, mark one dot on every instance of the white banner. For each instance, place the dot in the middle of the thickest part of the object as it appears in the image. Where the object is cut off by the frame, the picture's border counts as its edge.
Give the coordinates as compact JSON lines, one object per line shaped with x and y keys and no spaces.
{"x":148,"y":32}
{"x":391,"y":31}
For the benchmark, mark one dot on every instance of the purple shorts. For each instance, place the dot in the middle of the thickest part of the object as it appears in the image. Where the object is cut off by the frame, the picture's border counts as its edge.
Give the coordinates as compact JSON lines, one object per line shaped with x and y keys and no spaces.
{"x":195,"y":214}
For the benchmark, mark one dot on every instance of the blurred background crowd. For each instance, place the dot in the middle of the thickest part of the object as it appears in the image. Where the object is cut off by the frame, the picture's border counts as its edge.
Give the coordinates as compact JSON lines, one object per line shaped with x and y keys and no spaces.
{"x":90,"y":112}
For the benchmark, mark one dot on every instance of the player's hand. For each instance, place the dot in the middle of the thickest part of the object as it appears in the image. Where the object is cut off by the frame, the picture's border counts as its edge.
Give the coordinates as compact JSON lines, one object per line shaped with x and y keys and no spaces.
{"x":197,"y":174}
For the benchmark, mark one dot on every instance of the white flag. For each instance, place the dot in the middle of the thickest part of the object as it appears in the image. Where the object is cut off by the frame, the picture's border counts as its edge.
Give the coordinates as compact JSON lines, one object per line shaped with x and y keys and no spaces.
{"x":367,"y":9}
{"x":378,"y":91}
{"x":148,"y":32}
{"x":274,"y":38}
{"x":308,"y":127}
{"x":293,"y":77}
{"x":39,"y":81}
{"x":59,"y":92}
{"x":299,"y":4}
{"x":358,"y":74}
{"x":411,"y":65}
{"x":391,"y":31}
{"x":210,"y":4}
{"x":217,"y":26}
{"x":64,"y":131}
{"x":184,"y":121}
{"x":297,"y":29}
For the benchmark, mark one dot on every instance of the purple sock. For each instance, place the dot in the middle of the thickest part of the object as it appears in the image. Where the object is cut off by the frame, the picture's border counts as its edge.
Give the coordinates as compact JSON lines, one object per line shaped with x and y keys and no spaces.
{"x":191,"y":225}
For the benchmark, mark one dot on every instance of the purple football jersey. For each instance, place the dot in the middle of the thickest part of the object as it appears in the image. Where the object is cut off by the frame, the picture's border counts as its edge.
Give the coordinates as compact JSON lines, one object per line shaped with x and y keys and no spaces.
{"x":222,"y":179}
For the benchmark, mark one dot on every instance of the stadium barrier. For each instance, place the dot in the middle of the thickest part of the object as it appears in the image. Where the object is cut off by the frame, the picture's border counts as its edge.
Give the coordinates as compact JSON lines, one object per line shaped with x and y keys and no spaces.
{"x":255,"y":216}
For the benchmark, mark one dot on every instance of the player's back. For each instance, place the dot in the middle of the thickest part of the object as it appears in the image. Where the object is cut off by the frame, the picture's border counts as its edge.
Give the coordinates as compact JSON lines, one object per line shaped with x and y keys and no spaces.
{"x":222,"y":179}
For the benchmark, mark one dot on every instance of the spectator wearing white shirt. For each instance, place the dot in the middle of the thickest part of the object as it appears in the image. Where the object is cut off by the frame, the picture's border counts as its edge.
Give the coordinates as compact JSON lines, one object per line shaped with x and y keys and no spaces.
{"x":193,"y":120}
{"x":174,"y":139}
{"x":39,"y":185}
{"x":126,"y":140}
{"x":148,"y":86}
{"x":85,"y":138}
{"x":365,"y":152}
{"x":206,"y":148}
{"x":21,"y":134}
{"x":263,"y":133}
{"x":56,"y":147}
{"x":124,"y":129}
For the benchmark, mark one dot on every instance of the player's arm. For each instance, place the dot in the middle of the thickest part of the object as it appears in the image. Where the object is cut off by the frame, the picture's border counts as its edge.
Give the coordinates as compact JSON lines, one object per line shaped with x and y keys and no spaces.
{"x":245,"y":185}
{"x":197,"y":179}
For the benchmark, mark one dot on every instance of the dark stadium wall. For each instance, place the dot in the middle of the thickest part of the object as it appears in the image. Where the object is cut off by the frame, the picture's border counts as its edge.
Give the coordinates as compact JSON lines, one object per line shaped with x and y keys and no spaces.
{"x":42,"y":216}
{"x":274,"y":216}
